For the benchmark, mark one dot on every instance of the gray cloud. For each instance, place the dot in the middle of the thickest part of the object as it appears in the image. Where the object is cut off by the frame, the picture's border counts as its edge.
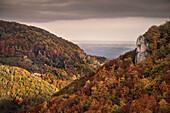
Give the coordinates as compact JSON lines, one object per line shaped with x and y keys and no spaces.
{"x":50,"y":10}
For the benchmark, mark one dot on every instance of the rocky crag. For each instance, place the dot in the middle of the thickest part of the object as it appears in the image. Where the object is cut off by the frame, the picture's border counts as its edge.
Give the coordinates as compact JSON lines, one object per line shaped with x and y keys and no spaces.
{"x":141,"y":48}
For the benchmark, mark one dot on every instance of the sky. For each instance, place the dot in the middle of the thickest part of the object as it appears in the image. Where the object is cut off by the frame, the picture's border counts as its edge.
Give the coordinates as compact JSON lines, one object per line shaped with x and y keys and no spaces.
{"x":109,"y":20}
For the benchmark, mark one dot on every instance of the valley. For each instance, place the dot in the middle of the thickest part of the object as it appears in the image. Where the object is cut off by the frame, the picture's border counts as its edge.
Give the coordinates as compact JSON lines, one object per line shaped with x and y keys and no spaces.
{"x":41,"y":72}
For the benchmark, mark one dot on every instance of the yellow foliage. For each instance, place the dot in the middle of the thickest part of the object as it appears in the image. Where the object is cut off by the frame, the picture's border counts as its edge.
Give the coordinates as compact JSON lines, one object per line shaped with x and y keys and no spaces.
{"x":74,"y":77}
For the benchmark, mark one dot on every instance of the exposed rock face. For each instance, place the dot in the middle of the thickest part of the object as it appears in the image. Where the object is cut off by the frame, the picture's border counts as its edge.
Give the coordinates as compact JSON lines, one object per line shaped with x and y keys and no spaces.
{"x":141,"y":52}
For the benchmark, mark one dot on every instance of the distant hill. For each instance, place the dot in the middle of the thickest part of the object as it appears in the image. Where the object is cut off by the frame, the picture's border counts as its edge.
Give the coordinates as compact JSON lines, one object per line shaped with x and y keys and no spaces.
{"x":122,"y":85}
{"x":38,"y":51}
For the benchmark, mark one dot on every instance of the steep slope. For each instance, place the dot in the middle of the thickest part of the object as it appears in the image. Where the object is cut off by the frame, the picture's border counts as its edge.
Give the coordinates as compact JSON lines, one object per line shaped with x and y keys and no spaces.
{"x":19,"y":89}
{"x":58,"y":60}
{"x":120,"y":85}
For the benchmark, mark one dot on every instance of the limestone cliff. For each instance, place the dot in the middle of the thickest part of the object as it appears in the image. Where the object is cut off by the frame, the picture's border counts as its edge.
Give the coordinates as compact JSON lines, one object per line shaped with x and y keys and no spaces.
{"x":141,"y":47}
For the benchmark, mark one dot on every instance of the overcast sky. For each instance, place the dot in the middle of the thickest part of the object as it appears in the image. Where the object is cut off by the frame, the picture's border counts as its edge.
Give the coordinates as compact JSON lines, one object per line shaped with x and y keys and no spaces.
{"x":88,"y":19}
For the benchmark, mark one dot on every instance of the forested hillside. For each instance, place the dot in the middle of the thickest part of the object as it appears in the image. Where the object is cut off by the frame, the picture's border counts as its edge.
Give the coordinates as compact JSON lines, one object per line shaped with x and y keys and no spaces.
{"x":19,"y":89}
{"x":120,"y":85}
{"x":57,"y":60}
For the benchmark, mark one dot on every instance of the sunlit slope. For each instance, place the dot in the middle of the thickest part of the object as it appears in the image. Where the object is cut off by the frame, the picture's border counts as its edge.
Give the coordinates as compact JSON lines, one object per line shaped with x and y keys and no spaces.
{"x":19,"y":89}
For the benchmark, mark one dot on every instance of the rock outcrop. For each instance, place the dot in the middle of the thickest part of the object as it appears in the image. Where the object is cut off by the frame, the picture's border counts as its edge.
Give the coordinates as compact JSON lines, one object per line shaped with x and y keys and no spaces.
{"x":142,"y":45}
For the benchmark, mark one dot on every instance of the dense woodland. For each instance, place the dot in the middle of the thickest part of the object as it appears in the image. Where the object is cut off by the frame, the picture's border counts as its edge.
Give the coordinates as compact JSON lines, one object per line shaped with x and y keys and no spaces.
{"x":45,"y":63}
{"x":121,"y":85}
{"x":19,"y":89}
{"x":35,"y":64}
{"x":38,"y":51}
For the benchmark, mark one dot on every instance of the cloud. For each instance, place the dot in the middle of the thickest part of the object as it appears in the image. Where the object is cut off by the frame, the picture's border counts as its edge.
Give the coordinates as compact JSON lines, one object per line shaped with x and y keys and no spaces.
{"x":51,"y":10}
{"x":108,"y":29}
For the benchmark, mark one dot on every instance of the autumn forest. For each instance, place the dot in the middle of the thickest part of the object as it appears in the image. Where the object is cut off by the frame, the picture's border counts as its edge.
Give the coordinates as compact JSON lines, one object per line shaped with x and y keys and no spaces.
{"x":41,"y":72}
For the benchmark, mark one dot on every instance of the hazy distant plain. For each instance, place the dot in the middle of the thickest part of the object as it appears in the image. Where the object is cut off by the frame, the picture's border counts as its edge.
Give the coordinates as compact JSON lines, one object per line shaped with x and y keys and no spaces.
{"x":108,"y":49}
